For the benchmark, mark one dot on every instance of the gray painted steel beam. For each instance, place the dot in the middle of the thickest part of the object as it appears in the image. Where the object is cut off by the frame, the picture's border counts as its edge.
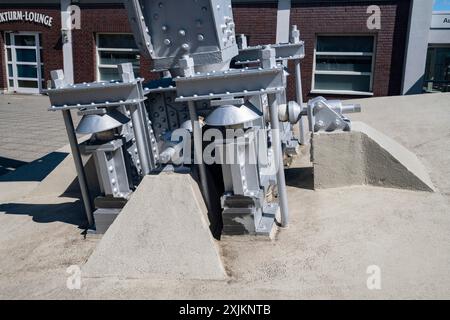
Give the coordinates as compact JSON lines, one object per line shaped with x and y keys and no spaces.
{"x":281,"y":179}
{"x":198,"y":152}
{"x":283,"y":21}
{"x":79,"y":167}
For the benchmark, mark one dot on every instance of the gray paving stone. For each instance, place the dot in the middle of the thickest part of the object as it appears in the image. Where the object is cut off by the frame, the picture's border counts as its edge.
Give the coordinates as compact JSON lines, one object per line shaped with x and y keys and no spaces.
{"x":28,"y":131}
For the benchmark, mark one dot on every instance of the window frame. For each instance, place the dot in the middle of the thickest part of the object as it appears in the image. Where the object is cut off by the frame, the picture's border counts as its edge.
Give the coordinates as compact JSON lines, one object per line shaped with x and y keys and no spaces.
{"x":349,"y":73}
{"x":14,"y":63}
{"x":98,"y":50}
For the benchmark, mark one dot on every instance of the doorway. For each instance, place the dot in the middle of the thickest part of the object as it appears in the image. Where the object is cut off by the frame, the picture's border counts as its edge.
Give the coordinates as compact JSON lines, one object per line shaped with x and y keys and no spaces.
{"x":23,"y":61}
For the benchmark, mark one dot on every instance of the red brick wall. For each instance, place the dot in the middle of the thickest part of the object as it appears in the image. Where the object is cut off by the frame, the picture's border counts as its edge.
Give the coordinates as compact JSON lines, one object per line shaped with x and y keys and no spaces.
{"x":328,"y":18}
{"x":93,"y":19}
{"x":258,"y":21}
{"x":99,"y":19}
{"x":51,"y":39}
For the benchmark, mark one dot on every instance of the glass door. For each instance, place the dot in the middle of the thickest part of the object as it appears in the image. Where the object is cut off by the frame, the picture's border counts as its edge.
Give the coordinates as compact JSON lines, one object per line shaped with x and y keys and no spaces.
{"x":437,"y":73}
{"x":24,"y":62}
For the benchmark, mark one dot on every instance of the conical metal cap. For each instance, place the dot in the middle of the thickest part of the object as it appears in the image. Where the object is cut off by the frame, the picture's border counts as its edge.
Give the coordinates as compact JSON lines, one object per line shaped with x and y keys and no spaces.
{"x":94,"y":123}
{"x":230,"y":115}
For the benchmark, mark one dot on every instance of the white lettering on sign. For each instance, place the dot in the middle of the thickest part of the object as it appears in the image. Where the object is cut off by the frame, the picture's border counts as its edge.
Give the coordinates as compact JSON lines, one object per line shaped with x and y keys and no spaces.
{"x":26,"y":16}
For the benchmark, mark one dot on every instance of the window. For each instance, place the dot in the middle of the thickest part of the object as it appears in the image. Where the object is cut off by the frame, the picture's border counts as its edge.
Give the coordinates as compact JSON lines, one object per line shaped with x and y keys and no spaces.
{"x":24,"y":62}
{"x":437,"y":73}
{"x":114,"y":49}
{"x":344,"y":65}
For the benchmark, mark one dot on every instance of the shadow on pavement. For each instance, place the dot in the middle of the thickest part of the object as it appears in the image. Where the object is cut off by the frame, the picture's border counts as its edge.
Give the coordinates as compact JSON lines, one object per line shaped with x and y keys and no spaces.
{"x":8,"y":165}
{"x":34,"y":171}
{"x":70,"y":212}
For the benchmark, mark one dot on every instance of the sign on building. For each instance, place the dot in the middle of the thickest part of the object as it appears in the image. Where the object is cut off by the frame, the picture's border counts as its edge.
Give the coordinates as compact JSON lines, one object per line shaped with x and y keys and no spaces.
{"x":440,"y":21}
{"x":26,"y":16}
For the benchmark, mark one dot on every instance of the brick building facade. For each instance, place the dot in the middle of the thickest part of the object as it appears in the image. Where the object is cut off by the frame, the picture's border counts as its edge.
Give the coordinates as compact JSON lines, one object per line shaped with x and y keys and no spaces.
{"x":257,"y":20}
{"x":319,"y":17}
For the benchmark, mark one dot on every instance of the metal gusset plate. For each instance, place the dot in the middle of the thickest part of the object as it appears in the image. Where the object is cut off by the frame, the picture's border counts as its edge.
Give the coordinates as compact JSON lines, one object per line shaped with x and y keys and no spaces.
{"x":165,"y":114}
{"x":166,"y":30}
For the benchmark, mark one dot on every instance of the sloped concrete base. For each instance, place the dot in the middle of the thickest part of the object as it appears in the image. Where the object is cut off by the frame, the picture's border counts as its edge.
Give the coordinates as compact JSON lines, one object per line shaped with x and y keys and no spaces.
{"x":365,"y":156}
{"x":162,"y":233}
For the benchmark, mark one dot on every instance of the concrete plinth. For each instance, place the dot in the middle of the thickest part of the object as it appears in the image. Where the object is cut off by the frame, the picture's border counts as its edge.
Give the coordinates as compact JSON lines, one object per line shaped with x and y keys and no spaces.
{"x":365,"y":156}
{"x":163,"y":233}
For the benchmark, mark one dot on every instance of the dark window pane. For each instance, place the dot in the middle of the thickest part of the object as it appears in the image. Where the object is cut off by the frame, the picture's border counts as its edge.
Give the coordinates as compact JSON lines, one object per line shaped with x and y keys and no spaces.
{"x":342,"y":82}
{"x":120,"y":41}
{"x":26,"y":55}
{"x":9,"y":55}
{"x":10,"y":70}
{"x":28,"y":84}
{"x":442,"y":64}
{"x":11,"y":83}
{"x":345,"y":44}
{"x":337,"y":63}
{"x":8,"y":38}
{"x":108,"y":57}
{"x":25,"y":71}
{"x":24,"y":40}
{"x":437,"y":74}
{"x":109,"y":74}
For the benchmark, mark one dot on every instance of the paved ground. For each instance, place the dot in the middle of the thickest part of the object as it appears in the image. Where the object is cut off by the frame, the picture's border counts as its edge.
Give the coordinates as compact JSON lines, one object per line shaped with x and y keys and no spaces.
{"x":27,"y":130}
{"x":334,"y":235}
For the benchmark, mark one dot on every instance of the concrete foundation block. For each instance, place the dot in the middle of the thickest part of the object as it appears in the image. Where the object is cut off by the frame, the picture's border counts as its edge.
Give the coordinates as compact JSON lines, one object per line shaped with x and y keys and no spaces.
{"x":365,"y":156}
{"x":162,"y":233}
{"x":104,"y":218}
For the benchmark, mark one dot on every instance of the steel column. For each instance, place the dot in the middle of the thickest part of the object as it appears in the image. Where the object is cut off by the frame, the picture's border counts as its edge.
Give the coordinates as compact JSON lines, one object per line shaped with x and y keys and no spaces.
{"x":198,"y":151}
{"x":278,"y":153}
{"x":66,"y":27}
{"x":299,"y":93}
{"x":283,"y":21}
{"x":79,"y":167}
{"x":140,"y":139}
